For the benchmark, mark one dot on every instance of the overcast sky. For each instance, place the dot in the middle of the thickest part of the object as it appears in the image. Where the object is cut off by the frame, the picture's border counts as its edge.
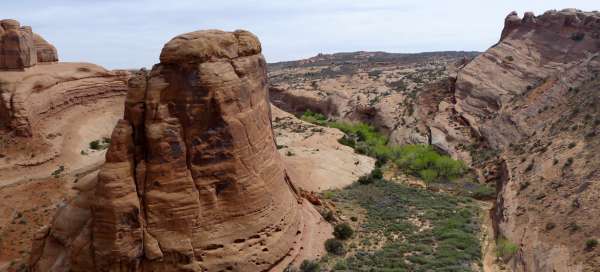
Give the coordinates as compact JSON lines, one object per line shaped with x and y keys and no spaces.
{"x":131,"y":33}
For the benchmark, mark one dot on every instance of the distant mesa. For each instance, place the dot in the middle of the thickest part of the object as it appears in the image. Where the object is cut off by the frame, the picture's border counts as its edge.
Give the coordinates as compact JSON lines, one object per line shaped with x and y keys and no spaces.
{"x":21,"y":48}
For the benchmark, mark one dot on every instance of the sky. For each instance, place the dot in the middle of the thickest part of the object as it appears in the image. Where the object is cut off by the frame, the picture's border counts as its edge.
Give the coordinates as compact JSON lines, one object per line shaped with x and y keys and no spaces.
{"x":131,"y":33}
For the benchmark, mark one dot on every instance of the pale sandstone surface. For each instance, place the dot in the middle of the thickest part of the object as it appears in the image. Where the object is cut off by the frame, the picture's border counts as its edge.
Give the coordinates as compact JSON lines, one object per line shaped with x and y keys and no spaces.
{"x":314,"y":157}
{"x":192,"y":180}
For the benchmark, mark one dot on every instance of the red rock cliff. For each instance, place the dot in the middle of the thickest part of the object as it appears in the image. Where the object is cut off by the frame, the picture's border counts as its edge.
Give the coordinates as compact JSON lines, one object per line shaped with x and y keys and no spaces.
{"x":192,"y":179}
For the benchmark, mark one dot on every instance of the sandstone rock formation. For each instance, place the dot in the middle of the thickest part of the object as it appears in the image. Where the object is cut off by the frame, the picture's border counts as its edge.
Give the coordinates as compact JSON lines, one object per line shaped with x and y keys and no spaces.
{"x":21,"y":48}
{"x":28,"y":97}
{"x":192,"y":180}
{"x":533,"y":100}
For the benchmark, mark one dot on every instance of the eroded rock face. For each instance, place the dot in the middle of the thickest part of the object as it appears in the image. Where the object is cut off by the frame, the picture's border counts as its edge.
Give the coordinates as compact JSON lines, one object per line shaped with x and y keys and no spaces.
{"x":28,"y":97}
{"x":192,"y":179}
{"x":21,"y":48}
{"x":534,"y":98}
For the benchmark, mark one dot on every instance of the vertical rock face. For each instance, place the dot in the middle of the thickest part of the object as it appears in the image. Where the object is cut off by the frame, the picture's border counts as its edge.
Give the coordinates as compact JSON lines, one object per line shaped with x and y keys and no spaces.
{"x":192,"y":179}
{"x":21,"y":48}
{"x":534,"y":98}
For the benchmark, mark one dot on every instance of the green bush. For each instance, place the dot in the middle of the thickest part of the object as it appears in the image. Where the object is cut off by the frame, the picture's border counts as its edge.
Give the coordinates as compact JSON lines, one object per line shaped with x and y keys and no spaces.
{"x":343,"y":231}
{"x":377,"y":173}
{"x":100,"y":144}
{"x":366,"y":179}
{"x":425,"y":162}
{"x":334,"y":246}
{"x":591,"y":244}
{"x":310,"y":266}
{"x":95,"y":145}
{"x":505,"y":249}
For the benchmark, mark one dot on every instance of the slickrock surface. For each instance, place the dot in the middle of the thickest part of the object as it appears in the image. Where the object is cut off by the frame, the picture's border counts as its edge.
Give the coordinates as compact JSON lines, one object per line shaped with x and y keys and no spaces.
{"x":193,"y":180}
{"x":21,"y":48}
{"x":532,"y":99}
{"x":314,"y":157}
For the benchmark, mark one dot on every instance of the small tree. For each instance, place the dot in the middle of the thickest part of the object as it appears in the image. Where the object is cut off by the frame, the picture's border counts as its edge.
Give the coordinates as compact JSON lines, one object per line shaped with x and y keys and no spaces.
{"x":343,"y":231}
{"x":334,"y":246}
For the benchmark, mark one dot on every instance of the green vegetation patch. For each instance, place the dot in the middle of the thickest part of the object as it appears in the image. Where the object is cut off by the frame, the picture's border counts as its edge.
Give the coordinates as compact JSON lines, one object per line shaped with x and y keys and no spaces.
{"x":445,"y":240}
{"x":314,"y":118}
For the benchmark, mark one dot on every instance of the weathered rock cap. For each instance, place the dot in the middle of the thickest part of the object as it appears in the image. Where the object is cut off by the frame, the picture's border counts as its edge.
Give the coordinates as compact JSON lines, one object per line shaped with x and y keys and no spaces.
{"x":209,"y":46}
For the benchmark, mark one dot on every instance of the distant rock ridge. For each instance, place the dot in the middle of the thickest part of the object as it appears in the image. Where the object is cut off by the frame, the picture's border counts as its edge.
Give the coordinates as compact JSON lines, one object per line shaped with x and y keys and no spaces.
{"x":192,"y":180}
{"x":21,"y":48}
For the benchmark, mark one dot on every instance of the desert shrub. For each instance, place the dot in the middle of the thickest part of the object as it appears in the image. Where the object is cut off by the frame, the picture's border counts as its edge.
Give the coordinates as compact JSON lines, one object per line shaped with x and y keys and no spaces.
{"x":343,"y":231}
{"x":309,"y":266}
{"x":505,"y":249}
{"x":509,"y":58}
{"x":366,"y":179}
{"x":314,"y":118}
{"x":56,"y":173}
{"x":578,"y":36}
{"x":289,"y":153}
{"x":341,"y":265}
{"x":377,"y":173}
{"x":328,"y":215}
{"x":95,"y":145}
{"x":484,"y":192}
{"x":100,"y":144}
{"x":334,"y":246}
{"x":591,"y":244}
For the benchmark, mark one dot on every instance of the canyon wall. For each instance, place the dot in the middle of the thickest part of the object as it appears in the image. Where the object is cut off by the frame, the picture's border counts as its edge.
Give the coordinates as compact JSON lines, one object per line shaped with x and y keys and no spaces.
{"x":533,"y":99}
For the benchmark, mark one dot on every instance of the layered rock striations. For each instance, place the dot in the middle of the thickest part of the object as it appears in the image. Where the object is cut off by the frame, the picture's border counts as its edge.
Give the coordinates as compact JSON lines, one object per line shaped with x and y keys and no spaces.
{"x":192,"y":180}
{"x":27,"y":96}
{"x":533,"y":99}
{"x":21,"y":48}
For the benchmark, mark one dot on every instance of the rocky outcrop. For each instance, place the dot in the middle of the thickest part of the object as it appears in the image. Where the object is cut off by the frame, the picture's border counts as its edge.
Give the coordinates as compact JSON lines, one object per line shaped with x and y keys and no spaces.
{"x":28,"y":97}
{"x":21,"y":48}
{"x":532,"y":98}
{"x":192,"y":179}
